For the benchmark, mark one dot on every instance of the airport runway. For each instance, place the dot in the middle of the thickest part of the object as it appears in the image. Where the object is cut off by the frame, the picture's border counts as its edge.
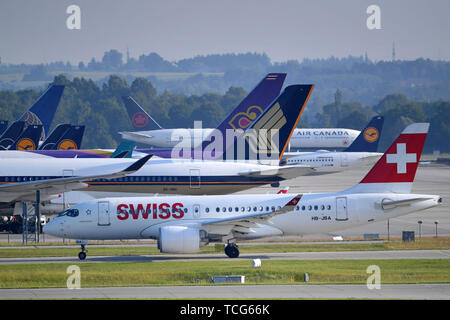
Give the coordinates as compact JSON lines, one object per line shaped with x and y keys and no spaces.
{"x":360,"y":255}
{"x":387,"y":291}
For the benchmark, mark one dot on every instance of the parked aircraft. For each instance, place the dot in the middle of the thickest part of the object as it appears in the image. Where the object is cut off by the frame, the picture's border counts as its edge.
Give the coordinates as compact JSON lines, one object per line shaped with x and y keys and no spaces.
{"x":183,"y":224}
{"x":361,"y":152}
{"x":150,"y":132}
{"x":155,"y":135}
{"x":176,"y":176}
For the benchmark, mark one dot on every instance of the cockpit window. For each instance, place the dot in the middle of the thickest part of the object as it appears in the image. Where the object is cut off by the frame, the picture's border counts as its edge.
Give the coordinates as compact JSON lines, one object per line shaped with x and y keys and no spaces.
{"x":69,"y":213}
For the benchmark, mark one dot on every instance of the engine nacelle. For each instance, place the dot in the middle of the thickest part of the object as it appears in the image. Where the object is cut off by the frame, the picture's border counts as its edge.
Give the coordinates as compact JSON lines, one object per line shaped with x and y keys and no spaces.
{"x":179,"y":239}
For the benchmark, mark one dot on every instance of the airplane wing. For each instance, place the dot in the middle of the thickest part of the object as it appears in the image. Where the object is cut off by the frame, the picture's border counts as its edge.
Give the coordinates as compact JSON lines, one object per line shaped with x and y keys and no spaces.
{"x":251,"y":220}
{"x":30,"y":186}
{"x":287,"y":172}
{"x":136,"y":134}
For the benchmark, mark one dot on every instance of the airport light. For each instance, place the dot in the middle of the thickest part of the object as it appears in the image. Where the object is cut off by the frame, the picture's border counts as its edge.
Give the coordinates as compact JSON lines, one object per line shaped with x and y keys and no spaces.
{"x":436,"y":223}
{"x":420,"y":228}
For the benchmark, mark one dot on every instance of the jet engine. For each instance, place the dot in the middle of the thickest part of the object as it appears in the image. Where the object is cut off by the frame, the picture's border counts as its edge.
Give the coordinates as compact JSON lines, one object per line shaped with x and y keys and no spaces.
{"x":179,"y":239}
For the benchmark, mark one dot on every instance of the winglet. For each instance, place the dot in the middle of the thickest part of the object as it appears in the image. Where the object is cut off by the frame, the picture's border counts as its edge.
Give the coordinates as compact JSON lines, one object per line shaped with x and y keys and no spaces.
{"x":138,"y":164}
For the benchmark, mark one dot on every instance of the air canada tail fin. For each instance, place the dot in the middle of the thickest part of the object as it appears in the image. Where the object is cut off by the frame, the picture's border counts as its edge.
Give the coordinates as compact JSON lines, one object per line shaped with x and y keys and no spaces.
{"x":44,"y":109}
{"x":368,"y":139}
{"x":71,"y":140}
{"x":11,"y":134}
{"x":54,"y":136}
{"x":396,"y":169}
{"x":124,"y":150}
{"x":29,"y":139}
{"x":268,"y":136}
{"x":3,"y":126}
{"x":140,"y":119}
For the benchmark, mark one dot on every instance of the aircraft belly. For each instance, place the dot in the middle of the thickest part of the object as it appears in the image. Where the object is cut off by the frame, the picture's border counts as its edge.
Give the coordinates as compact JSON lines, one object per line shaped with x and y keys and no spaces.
{"x":171,"y":189}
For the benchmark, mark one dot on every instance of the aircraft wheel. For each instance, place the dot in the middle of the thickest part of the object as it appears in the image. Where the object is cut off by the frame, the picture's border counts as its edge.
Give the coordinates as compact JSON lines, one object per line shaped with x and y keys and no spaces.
{"x":82,"y":255}
{"x":232,"y":251}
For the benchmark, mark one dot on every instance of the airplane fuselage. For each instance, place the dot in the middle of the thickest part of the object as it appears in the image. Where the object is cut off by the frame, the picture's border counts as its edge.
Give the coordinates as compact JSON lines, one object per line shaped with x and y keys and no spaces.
{"x":301,"y":138}
{"x":142,"y":217}
{"x":328,"y":162}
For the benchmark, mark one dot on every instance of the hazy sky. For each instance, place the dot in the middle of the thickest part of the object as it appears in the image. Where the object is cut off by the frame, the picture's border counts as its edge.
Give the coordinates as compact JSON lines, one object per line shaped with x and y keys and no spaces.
{"x":36,"y":32}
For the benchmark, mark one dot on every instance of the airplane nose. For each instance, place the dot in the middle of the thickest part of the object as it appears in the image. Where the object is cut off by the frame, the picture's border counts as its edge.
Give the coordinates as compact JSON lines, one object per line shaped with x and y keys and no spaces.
{"x":50,"y":228}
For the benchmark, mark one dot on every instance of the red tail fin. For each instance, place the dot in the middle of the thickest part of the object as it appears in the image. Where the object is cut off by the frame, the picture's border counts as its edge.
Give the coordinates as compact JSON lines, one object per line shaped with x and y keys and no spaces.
{"x":396,"y":169}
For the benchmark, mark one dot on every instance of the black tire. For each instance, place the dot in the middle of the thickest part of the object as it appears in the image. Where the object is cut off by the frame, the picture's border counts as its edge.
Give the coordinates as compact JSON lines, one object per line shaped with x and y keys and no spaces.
{"x":232,"y":251}
{"x":82,"y":255}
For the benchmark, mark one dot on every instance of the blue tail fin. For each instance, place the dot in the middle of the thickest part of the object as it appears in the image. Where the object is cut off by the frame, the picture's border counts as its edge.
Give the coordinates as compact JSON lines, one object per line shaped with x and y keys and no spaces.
{"x":29,"y":139}
{"x":11,"y":134}
{"x":140,"y":119}
{"x":71,"y":140}
{"x":52,"y":139}
{"x":124,"y":150}
{"x":368,"y":139}
{"x":251,"y":107}
{"x":278,"y":121}
{"x":3,"y":126}
{"x":43,"y":110}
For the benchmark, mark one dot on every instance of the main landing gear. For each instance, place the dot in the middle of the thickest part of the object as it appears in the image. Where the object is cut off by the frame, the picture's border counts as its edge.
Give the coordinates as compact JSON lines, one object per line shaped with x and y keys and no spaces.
{"x":231,"y":250}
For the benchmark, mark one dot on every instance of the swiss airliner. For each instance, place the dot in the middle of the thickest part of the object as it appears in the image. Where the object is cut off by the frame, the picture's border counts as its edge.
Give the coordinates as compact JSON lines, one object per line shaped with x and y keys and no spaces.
{"x":183,"y":224}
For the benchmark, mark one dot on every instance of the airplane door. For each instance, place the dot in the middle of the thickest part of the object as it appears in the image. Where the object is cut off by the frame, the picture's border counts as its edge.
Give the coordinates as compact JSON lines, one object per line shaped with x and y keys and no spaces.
{"x":344,"y":160}
{"x":341,"y":209}
{"x":194,"y":178}
{"x":196,"y":210}
{"x":103,"y":213}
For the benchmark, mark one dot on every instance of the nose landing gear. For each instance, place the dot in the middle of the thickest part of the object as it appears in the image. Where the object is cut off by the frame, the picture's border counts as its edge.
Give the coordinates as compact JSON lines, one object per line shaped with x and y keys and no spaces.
{"x":82,"y":255}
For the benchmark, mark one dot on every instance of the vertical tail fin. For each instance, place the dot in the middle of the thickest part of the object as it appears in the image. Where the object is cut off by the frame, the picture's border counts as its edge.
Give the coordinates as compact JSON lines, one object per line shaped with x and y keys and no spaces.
{"x":124,"y":150}
{"x":11,"y":134}
{"x":277,"y":122}
{"x":29,"y":139}
{"x":140,"y":119}
{"x":71,"y":140}
{"x":44,"y":109}
{"x":250,"y":108}
{"x":54,"y":136}
{"x":368,"y":139}
{"x":3,"y":126}
{"x":396,"y":169}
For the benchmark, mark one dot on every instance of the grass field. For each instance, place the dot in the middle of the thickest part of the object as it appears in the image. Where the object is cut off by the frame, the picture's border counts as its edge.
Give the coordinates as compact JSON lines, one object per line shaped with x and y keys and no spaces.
{"x":200,"y":272}
{"x":47,"y":251}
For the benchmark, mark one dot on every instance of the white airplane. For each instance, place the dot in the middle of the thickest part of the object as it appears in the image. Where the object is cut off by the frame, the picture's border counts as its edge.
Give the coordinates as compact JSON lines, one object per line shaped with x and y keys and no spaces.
{"x":183,"y":224}
{"x":175,"y":176}
{"x":360,"y":153}
{"x":170,"y":138}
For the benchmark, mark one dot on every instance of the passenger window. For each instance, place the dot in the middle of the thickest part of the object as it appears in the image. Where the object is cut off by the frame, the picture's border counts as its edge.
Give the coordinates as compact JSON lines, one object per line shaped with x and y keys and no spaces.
{"x":206,"y":210}
{"x":217,"y":209}
{"x":224,"y":209}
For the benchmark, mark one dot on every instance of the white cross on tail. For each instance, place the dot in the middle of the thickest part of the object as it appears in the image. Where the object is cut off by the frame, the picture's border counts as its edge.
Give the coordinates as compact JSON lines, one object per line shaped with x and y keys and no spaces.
{"x":401,"y":158}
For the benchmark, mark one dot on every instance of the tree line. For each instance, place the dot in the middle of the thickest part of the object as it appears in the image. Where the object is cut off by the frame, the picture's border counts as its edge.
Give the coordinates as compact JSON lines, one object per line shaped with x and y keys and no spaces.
{"x":101,"y":110}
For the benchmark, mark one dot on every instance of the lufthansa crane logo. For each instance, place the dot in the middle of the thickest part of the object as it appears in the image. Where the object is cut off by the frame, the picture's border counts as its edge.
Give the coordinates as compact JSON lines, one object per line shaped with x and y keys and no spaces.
{"x":67,"y":144}
{"x":242,"y":120}
{"x":25,"y":144}
{"x":371,"y":134}
{"x":140,"y":120}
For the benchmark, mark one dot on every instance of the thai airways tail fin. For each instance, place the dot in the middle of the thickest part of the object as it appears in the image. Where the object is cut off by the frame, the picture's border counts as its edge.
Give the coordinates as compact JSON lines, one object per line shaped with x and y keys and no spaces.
{"x":124,"y":149}
{"x":44,"y":109}
{"x":3,"y":126}
{"x":140,"y":119}
{"x":268,"y":135}
{"x":71,"y":140}
{"x":367,"y":140}
{"x":54,"y":136}
{"x":29,"y":139}
{"x":11,"y":134}
{"x":396,"y":169}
